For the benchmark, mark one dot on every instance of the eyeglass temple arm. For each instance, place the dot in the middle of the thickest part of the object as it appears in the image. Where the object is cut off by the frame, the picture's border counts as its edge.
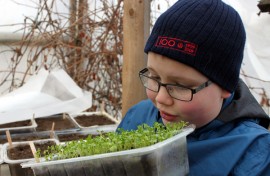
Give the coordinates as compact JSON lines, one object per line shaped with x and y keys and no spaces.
{"x":206,"y":84}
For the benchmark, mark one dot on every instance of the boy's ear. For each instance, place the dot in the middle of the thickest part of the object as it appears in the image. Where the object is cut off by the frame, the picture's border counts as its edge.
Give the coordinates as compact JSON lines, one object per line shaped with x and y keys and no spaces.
{"x":225,"y":94}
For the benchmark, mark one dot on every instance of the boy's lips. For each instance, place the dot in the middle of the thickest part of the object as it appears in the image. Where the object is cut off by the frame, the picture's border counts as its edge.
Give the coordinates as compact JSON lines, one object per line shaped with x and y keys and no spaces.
{"x":168,"y":117}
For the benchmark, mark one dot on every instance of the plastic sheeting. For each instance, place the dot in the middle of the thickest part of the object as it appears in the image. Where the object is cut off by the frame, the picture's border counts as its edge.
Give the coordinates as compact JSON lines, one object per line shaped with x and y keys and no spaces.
{"x":44,"y":94}
{"x":256,"y":63}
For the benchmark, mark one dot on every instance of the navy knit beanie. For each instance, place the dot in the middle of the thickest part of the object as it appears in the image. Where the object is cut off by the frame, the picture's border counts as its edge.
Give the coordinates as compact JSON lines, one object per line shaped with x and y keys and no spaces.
{"x":207,"y":35}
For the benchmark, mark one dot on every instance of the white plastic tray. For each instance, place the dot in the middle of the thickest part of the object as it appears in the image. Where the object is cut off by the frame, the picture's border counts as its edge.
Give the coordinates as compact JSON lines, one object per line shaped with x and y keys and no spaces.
{"x":21,"y":129}
{"x":165,"y":158}
{"x":11,"y":161}
{"x":1,"y":154}
{"x":96,"y":127}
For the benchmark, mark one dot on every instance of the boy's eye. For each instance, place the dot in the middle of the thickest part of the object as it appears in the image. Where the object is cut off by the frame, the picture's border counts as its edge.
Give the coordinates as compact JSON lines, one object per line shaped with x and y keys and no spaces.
{"x":154,"y":76}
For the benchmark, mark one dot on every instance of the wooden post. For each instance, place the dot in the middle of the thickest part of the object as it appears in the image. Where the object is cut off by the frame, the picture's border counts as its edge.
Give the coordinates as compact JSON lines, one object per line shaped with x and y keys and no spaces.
{"x":136,"y":29}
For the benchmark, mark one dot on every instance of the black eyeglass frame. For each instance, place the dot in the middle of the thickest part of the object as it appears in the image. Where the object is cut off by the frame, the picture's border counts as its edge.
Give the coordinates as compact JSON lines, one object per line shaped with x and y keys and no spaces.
{"x":193,"y":91}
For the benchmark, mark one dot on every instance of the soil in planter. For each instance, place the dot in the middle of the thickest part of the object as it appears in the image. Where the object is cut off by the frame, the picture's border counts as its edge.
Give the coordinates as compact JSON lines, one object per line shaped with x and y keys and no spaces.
{"x":45,"y":124}
{"x":17,"y":124}
{"x":71,"y":137}
{"x":25,"y":152}
{"x":21,"y":138}
{"x":92,"y":120}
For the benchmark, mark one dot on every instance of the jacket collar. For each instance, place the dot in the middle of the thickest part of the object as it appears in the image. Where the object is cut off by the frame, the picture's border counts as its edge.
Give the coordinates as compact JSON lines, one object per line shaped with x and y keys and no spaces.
{"x":244,"y":105}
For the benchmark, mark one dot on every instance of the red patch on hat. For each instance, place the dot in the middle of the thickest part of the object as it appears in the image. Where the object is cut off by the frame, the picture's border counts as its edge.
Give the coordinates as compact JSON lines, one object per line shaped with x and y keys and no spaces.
{"x":177,"y":44}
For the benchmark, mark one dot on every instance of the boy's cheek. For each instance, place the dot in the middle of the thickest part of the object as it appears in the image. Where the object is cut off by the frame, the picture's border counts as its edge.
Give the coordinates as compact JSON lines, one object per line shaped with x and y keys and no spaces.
{"x":151,"y":95}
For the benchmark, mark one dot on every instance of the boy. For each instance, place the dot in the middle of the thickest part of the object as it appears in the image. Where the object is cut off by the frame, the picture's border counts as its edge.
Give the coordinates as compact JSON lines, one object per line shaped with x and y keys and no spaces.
{"x":195,"y":52}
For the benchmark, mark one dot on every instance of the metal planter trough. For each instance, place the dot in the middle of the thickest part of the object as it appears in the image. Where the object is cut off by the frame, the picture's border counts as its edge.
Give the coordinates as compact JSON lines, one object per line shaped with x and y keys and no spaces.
{"x":166,"y":158}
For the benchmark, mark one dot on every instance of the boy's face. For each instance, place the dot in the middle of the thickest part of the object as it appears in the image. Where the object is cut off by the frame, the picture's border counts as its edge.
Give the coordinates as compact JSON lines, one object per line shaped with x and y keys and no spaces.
{"x":205,"y":105}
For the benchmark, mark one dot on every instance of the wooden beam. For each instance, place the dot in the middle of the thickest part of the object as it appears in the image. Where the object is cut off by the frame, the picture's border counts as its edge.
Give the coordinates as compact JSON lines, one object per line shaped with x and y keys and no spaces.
{"x":136,"y":27}
{"x":264,"y":6}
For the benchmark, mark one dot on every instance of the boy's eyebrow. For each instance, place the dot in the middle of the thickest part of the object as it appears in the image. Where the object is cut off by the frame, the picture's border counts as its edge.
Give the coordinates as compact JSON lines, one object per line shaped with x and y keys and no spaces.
{"x":151,"y":69}
{"x":183,"y":80}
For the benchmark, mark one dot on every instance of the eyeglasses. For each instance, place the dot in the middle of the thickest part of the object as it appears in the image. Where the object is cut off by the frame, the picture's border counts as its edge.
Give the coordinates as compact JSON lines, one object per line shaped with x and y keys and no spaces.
{"x":176,"y":91}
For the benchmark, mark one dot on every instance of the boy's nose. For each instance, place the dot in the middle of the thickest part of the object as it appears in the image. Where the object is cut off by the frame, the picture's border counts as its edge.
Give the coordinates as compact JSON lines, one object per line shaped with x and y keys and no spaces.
{"x":163,"y":96}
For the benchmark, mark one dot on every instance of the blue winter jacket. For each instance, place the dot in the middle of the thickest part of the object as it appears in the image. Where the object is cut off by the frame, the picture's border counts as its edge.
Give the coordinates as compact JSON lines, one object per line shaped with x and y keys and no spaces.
{"x":236,"y":143}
